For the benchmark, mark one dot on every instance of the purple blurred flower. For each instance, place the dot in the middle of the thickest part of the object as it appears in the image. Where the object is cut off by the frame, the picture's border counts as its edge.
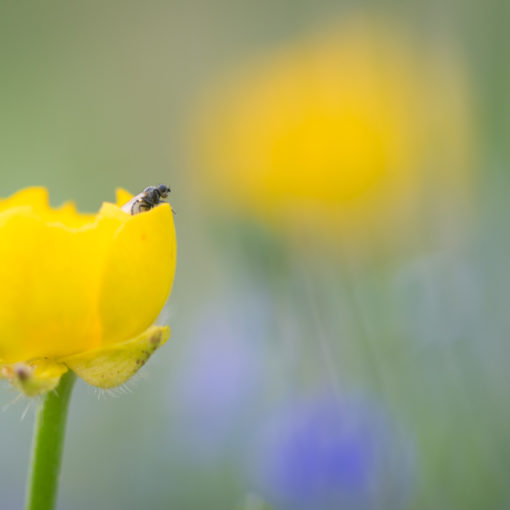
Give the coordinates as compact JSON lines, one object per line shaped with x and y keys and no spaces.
{"x":218,"y":378}
{"x":324,"y":453}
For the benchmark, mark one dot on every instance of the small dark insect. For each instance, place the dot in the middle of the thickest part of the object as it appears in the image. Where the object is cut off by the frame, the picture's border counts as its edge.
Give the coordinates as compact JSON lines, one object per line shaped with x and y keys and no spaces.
{"x":150,"y":197}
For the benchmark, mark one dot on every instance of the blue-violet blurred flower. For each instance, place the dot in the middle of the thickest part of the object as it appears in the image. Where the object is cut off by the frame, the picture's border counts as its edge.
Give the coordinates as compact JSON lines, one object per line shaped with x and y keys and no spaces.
{"x":326,"y":453}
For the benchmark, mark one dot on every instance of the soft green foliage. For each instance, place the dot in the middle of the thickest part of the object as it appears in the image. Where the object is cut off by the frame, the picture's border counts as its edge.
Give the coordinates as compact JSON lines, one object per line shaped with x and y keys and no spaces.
{"x":99,"y":94}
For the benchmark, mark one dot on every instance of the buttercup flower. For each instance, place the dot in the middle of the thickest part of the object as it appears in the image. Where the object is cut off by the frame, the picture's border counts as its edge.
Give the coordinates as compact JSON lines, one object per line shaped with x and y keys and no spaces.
{"x":81,"y":291}
{"x":353,"y":131}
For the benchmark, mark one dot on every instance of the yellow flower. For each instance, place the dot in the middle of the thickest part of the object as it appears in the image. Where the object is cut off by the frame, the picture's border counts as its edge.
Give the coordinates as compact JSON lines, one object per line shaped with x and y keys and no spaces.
{"x":353,"y":131}
{"x":81,"y":291}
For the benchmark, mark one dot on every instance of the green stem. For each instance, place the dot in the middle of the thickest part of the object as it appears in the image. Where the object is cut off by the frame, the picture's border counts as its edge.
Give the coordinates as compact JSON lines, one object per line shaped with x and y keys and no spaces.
{"x":48,"y":445}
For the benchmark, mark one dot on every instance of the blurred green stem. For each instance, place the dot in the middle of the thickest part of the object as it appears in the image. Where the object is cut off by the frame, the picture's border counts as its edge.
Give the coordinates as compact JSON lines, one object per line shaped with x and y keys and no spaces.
{"x":48,"y":444}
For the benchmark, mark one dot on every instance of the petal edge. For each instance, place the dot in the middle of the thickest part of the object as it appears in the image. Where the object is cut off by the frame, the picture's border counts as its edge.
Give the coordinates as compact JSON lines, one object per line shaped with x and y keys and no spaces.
{"x":110,"y":366}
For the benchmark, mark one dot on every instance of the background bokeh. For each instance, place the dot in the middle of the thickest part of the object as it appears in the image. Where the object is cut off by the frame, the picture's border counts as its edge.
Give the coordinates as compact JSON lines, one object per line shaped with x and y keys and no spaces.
{"x":339,"y":173}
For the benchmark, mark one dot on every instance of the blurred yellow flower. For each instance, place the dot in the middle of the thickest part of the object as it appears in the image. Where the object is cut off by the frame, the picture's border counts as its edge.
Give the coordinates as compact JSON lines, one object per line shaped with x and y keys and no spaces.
{"x":351,"y":132}
{"x":81,"y":291}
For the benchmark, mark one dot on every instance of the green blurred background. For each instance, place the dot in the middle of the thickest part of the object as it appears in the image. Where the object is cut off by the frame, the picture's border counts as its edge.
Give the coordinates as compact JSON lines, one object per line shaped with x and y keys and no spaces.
{"x":293,"y":378}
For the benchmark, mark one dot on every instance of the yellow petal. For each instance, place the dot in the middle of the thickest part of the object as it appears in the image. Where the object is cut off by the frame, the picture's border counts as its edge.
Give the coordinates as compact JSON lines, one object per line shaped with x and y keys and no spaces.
{"x":122,"y":196}
{"x":138,"y":274}
{"x":51,"y":276}
{"x":36,"y":197}
{"x":113,"y":365}
{"x":67,"y":215}
{"x":34,"y":378}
